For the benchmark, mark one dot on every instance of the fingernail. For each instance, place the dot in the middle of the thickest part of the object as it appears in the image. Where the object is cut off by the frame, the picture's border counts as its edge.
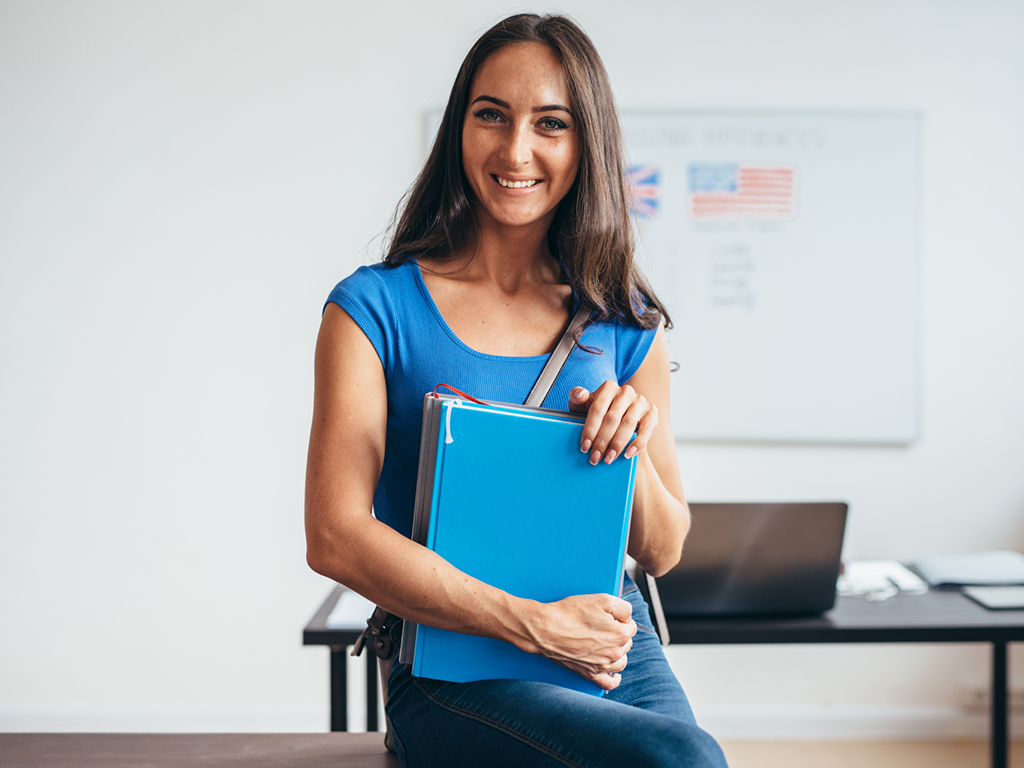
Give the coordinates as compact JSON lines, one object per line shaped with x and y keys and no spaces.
{"x":630,"y":452}
{"x":586,"y":445}
{"x":578,"y":392}
{"x":595,"y":457}
{"x":610,"y":456}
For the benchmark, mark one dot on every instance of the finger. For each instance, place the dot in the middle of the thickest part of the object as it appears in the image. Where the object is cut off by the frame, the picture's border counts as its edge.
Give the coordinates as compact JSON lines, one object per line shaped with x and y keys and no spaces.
{"x":614,"y":660}
{"x":609,"y":680}
{"x":599,"y":403}
{"x":645,"y":429}
{"x":631,"y":421}
{"x":613,"y":416}
{"x":621,"y":610}
{"x":579,"y":400}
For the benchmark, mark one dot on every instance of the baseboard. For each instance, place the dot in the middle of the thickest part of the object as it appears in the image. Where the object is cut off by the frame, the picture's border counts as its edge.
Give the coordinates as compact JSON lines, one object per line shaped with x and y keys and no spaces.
{"x":847,"y":723}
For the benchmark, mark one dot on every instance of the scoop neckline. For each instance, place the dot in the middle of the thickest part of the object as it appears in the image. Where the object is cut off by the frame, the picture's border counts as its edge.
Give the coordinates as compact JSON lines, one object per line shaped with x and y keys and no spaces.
{"x":425,"y":291}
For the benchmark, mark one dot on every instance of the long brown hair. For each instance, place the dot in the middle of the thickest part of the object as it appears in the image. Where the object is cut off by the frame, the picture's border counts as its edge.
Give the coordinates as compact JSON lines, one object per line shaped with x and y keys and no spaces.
{"x":591,"y":234}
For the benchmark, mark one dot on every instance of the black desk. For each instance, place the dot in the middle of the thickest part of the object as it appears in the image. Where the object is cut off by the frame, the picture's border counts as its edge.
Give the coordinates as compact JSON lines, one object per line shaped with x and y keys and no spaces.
{"x":936,"y":617}
{"x":318,"y":633}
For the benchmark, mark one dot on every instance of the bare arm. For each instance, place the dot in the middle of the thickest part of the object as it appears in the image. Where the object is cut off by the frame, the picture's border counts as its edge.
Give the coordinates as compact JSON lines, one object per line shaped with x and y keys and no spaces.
{"x":661,"y":518}
{"x":589,"y":634}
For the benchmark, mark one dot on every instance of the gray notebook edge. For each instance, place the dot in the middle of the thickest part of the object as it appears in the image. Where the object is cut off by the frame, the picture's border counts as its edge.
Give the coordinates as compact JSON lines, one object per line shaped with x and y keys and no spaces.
{"x":421,"y":509}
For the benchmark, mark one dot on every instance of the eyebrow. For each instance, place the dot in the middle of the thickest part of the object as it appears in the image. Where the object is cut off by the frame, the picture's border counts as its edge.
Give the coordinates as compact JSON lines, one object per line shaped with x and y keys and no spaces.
{"x":505,"y":105}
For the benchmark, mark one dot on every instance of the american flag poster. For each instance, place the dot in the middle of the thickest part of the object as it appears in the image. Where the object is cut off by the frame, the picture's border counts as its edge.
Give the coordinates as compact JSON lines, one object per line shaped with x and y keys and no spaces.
{"x":750,"y":191}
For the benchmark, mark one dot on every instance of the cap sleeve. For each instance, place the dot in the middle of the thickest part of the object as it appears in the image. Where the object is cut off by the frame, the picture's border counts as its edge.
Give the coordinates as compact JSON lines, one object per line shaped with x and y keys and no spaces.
{"x":631,"y":347}
{"x":365,"y":297}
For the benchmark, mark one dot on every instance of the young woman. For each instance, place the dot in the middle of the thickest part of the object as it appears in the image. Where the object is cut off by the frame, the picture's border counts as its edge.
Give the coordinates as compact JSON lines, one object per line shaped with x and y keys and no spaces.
{"x":519,"y":216}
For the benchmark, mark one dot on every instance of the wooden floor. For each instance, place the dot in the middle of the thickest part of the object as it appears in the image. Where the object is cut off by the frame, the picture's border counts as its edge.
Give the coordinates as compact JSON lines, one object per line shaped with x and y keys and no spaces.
{"x":365,"y":750}
{"x":865,"y":754}
{"x":194,"y":750}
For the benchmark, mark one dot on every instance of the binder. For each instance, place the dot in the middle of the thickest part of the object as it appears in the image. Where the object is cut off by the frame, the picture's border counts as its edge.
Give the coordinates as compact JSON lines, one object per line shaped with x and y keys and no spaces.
{"x":505,"y":495}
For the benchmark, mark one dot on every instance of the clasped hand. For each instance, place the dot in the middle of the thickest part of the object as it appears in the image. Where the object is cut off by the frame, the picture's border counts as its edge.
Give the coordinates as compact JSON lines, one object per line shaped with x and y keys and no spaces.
{"x":590,"y":635}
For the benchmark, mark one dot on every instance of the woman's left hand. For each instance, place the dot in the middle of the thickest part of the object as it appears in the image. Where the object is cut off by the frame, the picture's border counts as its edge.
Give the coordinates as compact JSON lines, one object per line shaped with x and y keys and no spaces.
{"x":614,"y":413}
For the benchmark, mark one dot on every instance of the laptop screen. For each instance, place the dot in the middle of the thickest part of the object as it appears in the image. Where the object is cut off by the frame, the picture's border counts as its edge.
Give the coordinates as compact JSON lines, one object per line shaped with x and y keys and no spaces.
{"x":750,"y":559}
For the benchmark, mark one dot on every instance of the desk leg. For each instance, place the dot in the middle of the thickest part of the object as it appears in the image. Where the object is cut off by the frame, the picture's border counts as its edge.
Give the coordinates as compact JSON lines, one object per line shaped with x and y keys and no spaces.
{"x":371,"y":690}
{"x":339,"y":688}
{"x":1000,"y":715}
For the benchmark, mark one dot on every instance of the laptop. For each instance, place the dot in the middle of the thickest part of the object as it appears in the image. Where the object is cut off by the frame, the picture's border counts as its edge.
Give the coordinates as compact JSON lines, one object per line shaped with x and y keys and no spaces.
{"x":757,"y":559}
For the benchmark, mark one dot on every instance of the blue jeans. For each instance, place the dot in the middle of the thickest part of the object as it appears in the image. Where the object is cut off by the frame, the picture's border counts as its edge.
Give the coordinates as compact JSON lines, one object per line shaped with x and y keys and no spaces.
{"x":645,"y":721}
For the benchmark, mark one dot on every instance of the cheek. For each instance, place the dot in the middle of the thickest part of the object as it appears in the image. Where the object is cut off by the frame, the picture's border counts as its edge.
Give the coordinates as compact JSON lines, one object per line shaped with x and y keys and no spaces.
{"x":474,"y":154}
{"x":470,"y":169}
{"x":571,"y":160}
{"x":572,"y":167}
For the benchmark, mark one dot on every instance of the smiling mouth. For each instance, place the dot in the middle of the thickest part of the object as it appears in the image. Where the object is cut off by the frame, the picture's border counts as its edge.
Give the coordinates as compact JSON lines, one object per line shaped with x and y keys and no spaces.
{"x":515,"y":184}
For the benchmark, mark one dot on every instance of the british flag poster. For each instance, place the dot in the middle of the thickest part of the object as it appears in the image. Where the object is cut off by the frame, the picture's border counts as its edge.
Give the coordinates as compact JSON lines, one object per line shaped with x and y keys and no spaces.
{"x":645,"y":185}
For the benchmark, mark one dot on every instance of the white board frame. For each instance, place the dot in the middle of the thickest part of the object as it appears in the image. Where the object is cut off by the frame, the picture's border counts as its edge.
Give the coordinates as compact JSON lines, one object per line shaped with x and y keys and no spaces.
{"x":794,"y":326}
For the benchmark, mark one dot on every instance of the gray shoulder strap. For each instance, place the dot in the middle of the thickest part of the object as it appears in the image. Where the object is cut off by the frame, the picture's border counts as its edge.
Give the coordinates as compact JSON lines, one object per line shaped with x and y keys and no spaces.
{"x":558,"y":358}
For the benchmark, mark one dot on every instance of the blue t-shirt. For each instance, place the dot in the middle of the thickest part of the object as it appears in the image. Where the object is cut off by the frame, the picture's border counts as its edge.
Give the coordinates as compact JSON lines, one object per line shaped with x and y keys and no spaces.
{"x":419,"y":351}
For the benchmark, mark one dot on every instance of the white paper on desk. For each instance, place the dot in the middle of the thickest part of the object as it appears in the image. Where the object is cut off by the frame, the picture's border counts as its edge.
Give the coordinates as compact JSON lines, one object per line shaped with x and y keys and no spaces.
{"x":974,"y":568}
{"x":350,"y":612}
{"x":865,"y":577}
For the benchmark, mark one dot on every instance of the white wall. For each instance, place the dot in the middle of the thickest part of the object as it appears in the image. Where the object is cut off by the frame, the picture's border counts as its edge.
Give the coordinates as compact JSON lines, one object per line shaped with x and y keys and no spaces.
{"x":181,"y":183}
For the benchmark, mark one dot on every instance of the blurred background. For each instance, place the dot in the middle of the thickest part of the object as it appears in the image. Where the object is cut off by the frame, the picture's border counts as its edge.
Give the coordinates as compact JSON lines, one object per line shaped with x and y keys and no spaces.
{"x":182,"y":183}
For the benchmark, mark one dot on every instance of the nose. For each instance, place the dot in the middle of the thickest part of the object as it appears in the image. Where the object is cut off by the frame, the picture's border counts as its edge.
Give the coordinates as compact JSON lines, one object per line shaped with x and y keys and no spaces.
{"x":517,"y":149}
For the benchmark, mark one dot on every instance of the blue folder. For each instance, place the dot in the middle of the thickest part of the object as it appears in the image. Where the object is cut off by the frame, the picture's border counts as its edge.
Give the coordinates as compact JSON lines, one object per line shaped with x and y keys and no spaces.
{"x":505,"y":495}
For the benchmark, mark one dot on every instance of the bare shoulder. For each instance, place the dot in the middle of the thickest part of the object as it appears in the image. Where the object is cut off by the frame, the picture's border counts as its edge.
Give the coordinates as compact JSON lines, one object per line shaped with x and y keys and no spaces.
{"x":652,"y":377}
{"x":350,"y":391}
{"x":342,"y":348}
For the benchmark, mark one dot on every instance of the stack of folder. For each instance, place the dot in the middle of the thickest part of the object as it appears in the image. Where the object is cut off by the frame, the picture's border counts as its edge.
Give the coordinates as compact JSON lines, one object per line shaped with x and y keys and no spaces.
{"x":505,"y":495}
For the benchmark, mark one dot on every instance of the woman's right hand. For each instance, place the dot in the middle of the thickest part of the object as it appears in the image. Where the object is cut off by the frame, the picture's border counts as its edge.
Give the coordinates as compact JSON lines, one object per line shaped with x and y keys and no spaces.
{"x":588,"y":634}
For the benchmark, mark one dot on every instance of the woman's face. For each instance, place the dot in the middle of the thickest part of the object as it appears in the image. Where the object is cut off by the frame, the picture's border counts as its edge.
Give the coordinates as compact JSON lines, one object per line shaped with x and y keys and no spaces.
{"x":520,"y":147}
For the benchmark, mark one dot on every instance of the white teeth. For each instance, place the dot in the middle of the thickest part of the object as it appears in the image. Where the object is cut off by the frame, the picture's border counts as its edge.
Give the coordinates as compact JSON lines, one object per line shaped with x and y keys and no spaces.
{"x":516,"y":184}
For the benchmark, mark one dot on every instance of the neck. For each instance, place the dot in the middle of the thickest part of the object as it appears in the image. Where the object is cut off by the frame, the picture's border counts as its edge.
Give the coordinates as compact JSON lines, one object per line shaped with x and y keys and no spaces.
{"x":512,"y":255}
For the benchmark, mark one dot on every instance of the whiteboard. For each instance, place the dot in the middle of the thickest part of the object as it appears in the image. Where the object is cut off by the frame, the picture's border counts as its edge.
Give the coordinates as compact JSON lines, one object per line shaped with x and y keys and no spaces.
{"x":786,"y":249}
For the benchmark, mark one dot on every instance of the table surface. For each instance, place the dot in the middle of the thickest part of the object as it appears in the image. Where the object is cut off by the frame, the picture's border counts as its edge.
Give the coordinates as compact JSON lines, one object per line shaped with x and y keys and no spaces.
{"x":935,"y":617}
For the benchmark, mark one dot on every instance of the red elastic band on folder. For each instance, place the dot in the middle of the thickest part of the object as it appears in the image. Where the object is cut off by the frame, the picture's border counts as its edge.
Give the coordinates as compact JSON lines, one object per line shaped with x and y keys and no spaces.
{"x":460,"y":393}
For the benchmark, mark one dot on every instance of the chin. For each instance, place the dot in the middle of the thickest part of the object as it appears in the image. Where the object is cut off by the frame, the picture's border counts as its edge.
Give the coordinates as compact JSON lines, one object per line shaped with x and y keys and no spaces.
{"x":518,"y":218}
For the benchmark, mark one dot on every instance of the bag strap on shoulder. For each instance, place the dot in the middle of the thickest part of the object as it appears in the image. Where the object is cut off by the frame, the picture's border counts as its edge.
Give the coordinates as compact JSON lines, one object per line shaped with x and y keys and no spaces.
{"x":558,"y":359}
